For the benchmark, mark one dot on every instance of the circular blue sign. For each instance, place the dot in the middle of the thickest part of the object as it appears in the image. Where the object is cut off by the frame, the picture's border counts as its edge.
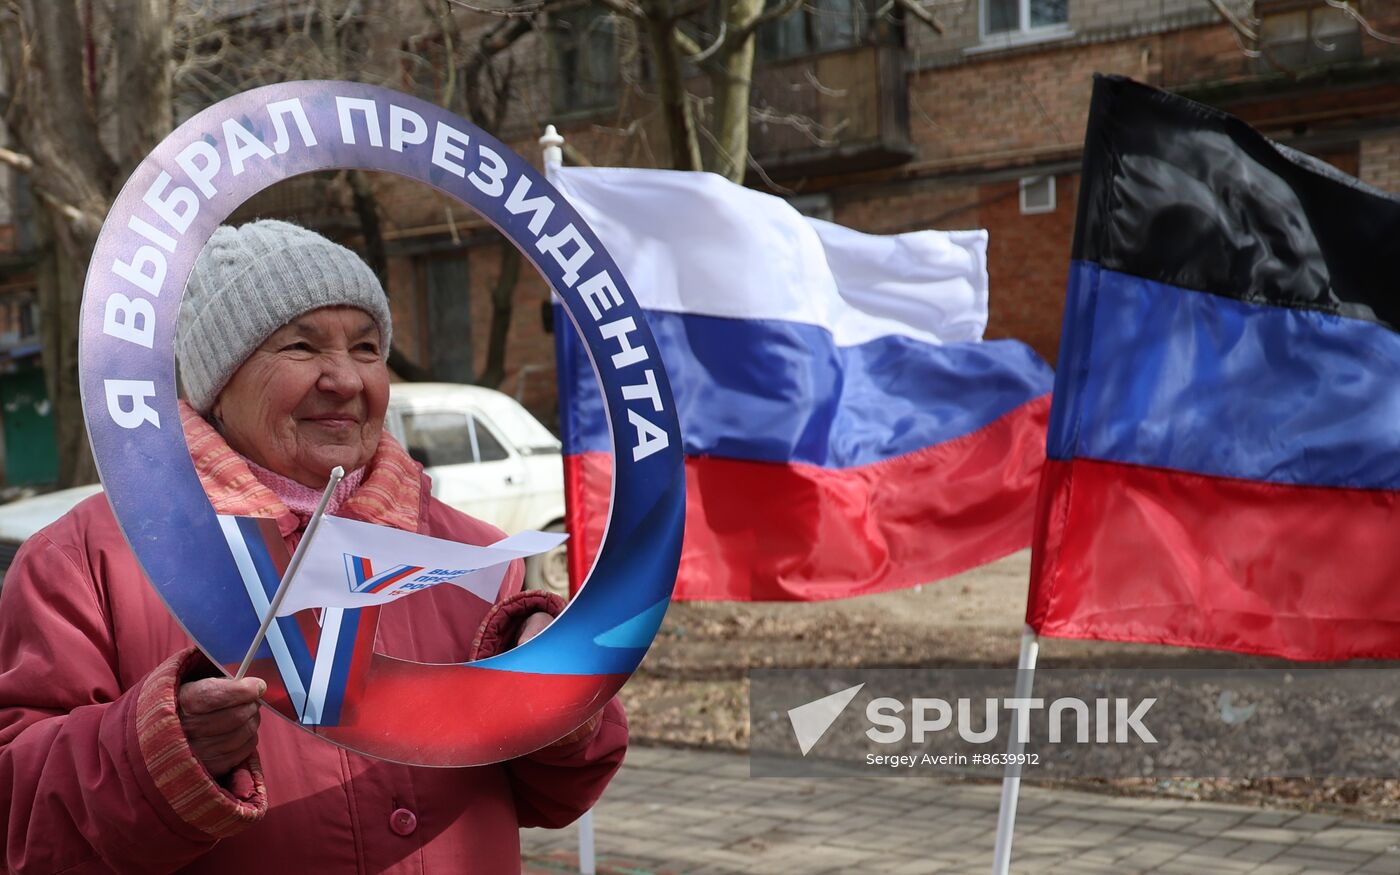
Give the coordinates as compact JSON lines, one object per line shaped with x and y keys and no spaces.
{"x":442,"y":715}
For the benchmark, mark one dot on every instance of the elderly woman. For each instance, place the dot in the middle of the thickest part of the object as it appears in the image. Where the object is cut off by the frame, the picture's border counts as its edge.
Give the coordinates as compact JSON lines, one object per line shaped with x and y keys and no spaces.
{"x":122,"y":749}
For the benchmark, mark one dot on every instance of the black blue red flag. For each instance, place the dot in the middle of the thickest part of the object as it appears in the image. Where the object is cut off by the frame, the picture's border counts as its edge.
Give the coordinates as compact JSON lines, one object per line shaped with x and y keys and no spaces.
{"x":1224,"y":443}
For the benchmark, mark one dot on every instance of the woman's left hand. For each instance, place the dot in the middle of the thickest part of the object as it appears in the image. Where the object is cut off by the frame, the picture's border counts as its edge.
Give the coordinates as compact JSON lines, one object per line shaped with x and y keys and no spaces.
{"x":533,"y":625}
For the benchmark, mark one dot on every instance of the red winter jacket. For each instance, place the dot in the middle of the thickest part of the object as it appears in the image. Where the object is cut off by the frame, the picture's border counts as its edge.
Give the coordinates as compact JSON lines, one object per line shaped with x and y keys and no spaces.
{"x":97,"y":776}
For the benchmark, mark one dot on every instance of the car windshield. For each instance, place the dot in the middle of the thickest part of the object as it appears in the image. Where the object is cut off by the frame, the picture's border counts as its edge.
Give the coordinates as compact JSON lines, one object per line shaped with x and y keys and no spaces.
{"x":524,"y":430}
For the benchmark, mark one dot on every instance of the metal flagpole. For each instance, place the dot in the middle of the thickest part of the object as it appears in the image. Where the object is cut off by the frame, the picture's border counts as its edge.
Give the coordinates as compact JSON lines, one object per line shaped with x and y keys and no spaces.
{"x":553,"y":145}
{"x":337,"y":474}
{"x":1011,"y":780}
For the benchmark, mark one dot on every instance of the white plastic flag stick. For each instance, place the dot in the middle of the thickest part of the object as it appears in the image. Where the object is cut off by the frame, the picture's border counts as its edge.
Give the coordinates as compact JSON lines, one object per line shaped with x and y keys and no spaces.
{"x":553,"y":145}
{"x":1011,"y":781}
{"x":337,"y":474}
{"x":587,"y":861}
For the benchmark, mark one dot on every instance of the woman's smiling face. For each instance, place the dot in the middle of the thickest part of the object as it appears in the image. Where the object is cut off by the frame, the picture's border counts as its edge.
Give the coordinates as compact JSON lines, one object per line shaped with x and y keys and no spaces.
{"x":312,"y":397}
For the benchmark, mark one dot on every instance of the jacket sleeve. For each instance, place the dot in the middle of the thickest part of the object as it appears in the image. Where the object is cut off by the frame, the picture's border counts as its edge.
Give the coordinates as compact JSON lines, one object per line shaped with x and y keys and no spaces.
{"x":554,"y":786}
{"x":94,"y":777}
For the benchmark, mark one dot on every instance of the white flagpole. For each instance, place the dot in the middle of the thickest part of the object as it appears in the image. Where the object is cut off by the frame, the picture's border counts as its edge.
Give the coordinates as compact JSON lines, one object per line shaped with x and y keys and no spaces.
{"x":1011,"y":780}
{"x":337,"y":474}
{"x":587,"y":858}
{"x":553,"y":146}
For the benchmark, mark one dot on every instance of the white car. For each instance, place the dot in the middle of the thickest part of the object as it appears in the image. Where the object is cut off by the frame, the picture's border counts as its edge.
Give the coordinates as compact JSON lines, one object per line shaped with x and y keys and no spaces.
{"x":489,"y":458}
{"x":486,"y":454}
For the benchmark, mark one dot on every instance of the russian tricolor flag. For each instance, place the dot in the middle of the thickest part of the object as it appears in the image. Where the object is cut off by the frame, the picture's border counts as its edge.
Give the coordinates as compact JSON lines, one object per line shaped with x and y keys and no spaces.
{"x":846,"y":429}
{"x":1224,"y":449}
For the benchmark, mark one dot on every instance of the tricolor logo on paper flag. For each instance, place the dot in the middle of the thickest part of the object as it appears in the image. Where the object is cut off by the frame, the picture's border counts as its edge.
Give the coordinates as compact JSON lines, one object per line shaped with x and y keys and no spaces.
{"x":1224,"y":448}
{"x":846,"y":429}
{"x":363,"y":579}
{"x":337,"y":570}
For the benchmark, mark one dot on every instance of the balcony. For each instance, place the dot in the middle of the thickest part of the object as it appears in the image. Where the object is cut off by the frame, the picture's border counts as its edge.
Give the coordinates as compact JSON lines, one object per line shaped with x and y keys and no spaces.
{"x":842,"y":110}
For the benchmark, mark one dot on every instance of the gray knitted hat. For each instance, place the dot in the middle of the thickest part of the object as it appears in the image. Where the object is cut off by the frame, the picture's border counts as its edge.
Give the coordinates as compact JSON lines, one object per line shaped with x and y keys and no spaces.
{"x":250,"y":281}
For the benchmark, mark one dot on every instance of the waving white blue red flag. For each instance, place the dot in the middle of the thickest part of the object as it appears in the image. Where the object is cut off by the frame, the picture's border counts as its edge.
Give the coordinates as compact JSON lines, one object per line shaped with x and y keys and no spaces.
{"x":1224,"y":469}
{"x":846,"y":429}
{"x":349,"y":569}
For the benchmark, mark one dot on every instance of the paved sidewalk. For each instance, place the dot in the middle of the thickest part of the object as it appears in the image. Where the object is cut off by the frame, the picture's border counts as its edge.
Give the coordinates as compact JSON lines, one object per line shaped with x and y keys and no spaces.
{"x":674,"y":811}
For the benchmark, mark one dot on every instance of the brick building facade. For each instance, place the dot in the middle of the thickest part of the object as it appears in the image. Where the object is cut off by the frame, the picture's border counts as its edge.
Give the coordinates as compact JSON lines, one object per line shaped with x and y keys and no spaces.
{"x":959,"y":130}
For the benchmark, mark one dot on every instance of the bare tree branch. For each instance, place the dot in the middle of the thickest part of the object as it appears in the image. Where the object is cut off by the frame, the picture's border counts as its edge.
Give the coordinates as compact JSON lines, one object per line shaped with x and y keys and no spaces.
{"x":1234,"y":21}
{"x":1371,"y":31}
{"x":447,"y":26}
{"x":624,"y":7}
{"x":704,"y":54}
{"x":86,"y":224}
{"x":20,"y":162}
{"x":819,"y":134}
{"x":744,"y":30}
{"x":917,"y":10}
{"x":576,"y":158}
{"x":528,"y":9}
{"x":496,"y":40}
{"x":687,"y":44}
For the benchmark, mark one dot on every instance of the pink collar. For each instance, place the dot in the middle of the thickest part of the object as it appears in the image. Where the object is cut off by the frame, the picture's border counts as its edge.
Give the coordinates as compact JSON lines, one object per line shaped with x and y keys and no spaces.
{"x":300,"y":499}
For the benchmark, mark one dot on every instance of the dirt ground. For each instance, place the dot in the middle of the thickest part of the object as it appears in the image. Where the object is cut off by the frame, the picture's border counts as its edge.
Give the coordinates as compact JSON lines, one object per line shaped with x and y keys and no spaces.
{"x":692,"y":690}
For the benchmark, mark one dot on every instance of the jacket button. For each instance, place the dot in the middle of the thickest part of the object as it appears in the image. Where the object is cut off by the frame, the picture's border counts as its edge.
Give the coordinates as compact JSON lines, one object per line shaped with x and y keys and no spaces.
{"x":403,"y":822}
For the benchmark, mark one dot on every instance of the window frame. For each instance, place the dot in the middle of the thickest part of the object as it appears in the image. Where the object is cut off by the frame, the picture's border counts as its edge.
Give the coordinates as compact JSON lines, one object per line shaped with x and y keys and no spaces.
{"x":1027,"y":182}
{"x":860,"y":18}
{"x":475,"y":419}
{"x":558,"y":74}
{"x":404,"y":416}
{"x":1024,"y":32}
{"x":478,"y":420}
{"x":1315,"y":20}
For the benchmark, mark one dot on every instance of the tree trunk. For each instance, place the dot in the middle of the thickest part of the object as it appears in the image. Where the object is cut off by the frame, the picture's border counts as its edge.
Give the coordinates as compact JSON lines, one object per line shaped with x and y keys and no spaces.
{"x":502,"y":306}
{"x":74,"y":177}
{"x":367,"y":211}
{"x":61,"y":274}
{"x":675,"y":104}
{"x":733,"y":81}
{"x":141,"y":48}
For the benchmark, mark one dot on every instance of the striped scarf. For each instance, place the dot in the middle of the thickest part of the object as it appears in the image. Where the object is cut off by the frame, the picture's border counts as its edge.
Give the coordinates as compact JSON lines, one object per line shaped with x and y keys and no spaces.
{"x":389,"y":493}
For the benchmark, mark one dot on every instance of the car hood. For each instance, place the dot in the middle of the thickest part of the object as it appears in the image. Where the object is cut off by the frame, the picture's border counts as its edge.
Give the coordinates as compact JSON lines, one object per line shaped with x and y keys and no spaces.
{"x":21,"y":519}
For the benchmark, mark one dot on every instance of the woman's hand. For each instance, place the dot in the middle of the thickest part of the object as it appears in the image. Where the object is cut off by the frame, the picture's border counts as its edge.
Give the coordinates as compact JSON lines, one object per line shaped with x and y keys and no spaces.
{"x":220,"y":718}
{"x":533,"y":625}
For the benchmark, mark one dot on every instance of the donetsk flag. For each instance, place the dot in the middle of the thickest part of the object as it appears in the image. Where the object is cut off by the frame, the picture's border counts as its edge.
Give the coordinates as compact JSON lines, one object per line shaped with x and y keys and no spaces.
{"x":846,"y":429}
{"x":1224,"y":448}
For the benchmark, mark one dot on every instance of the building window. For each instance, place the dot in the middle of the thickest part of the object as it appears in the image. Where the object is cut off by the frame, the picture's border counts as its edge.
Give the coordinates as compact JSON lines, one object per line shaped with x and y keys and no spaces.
{"x":19,"y":319}
{"x":1037,"y":195}
{"x":586,"y":72}
{"x":449,"y":318}
{"x":816,"y":26}
{"x":1293,"y":36}
{"x":1009,"y":19}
